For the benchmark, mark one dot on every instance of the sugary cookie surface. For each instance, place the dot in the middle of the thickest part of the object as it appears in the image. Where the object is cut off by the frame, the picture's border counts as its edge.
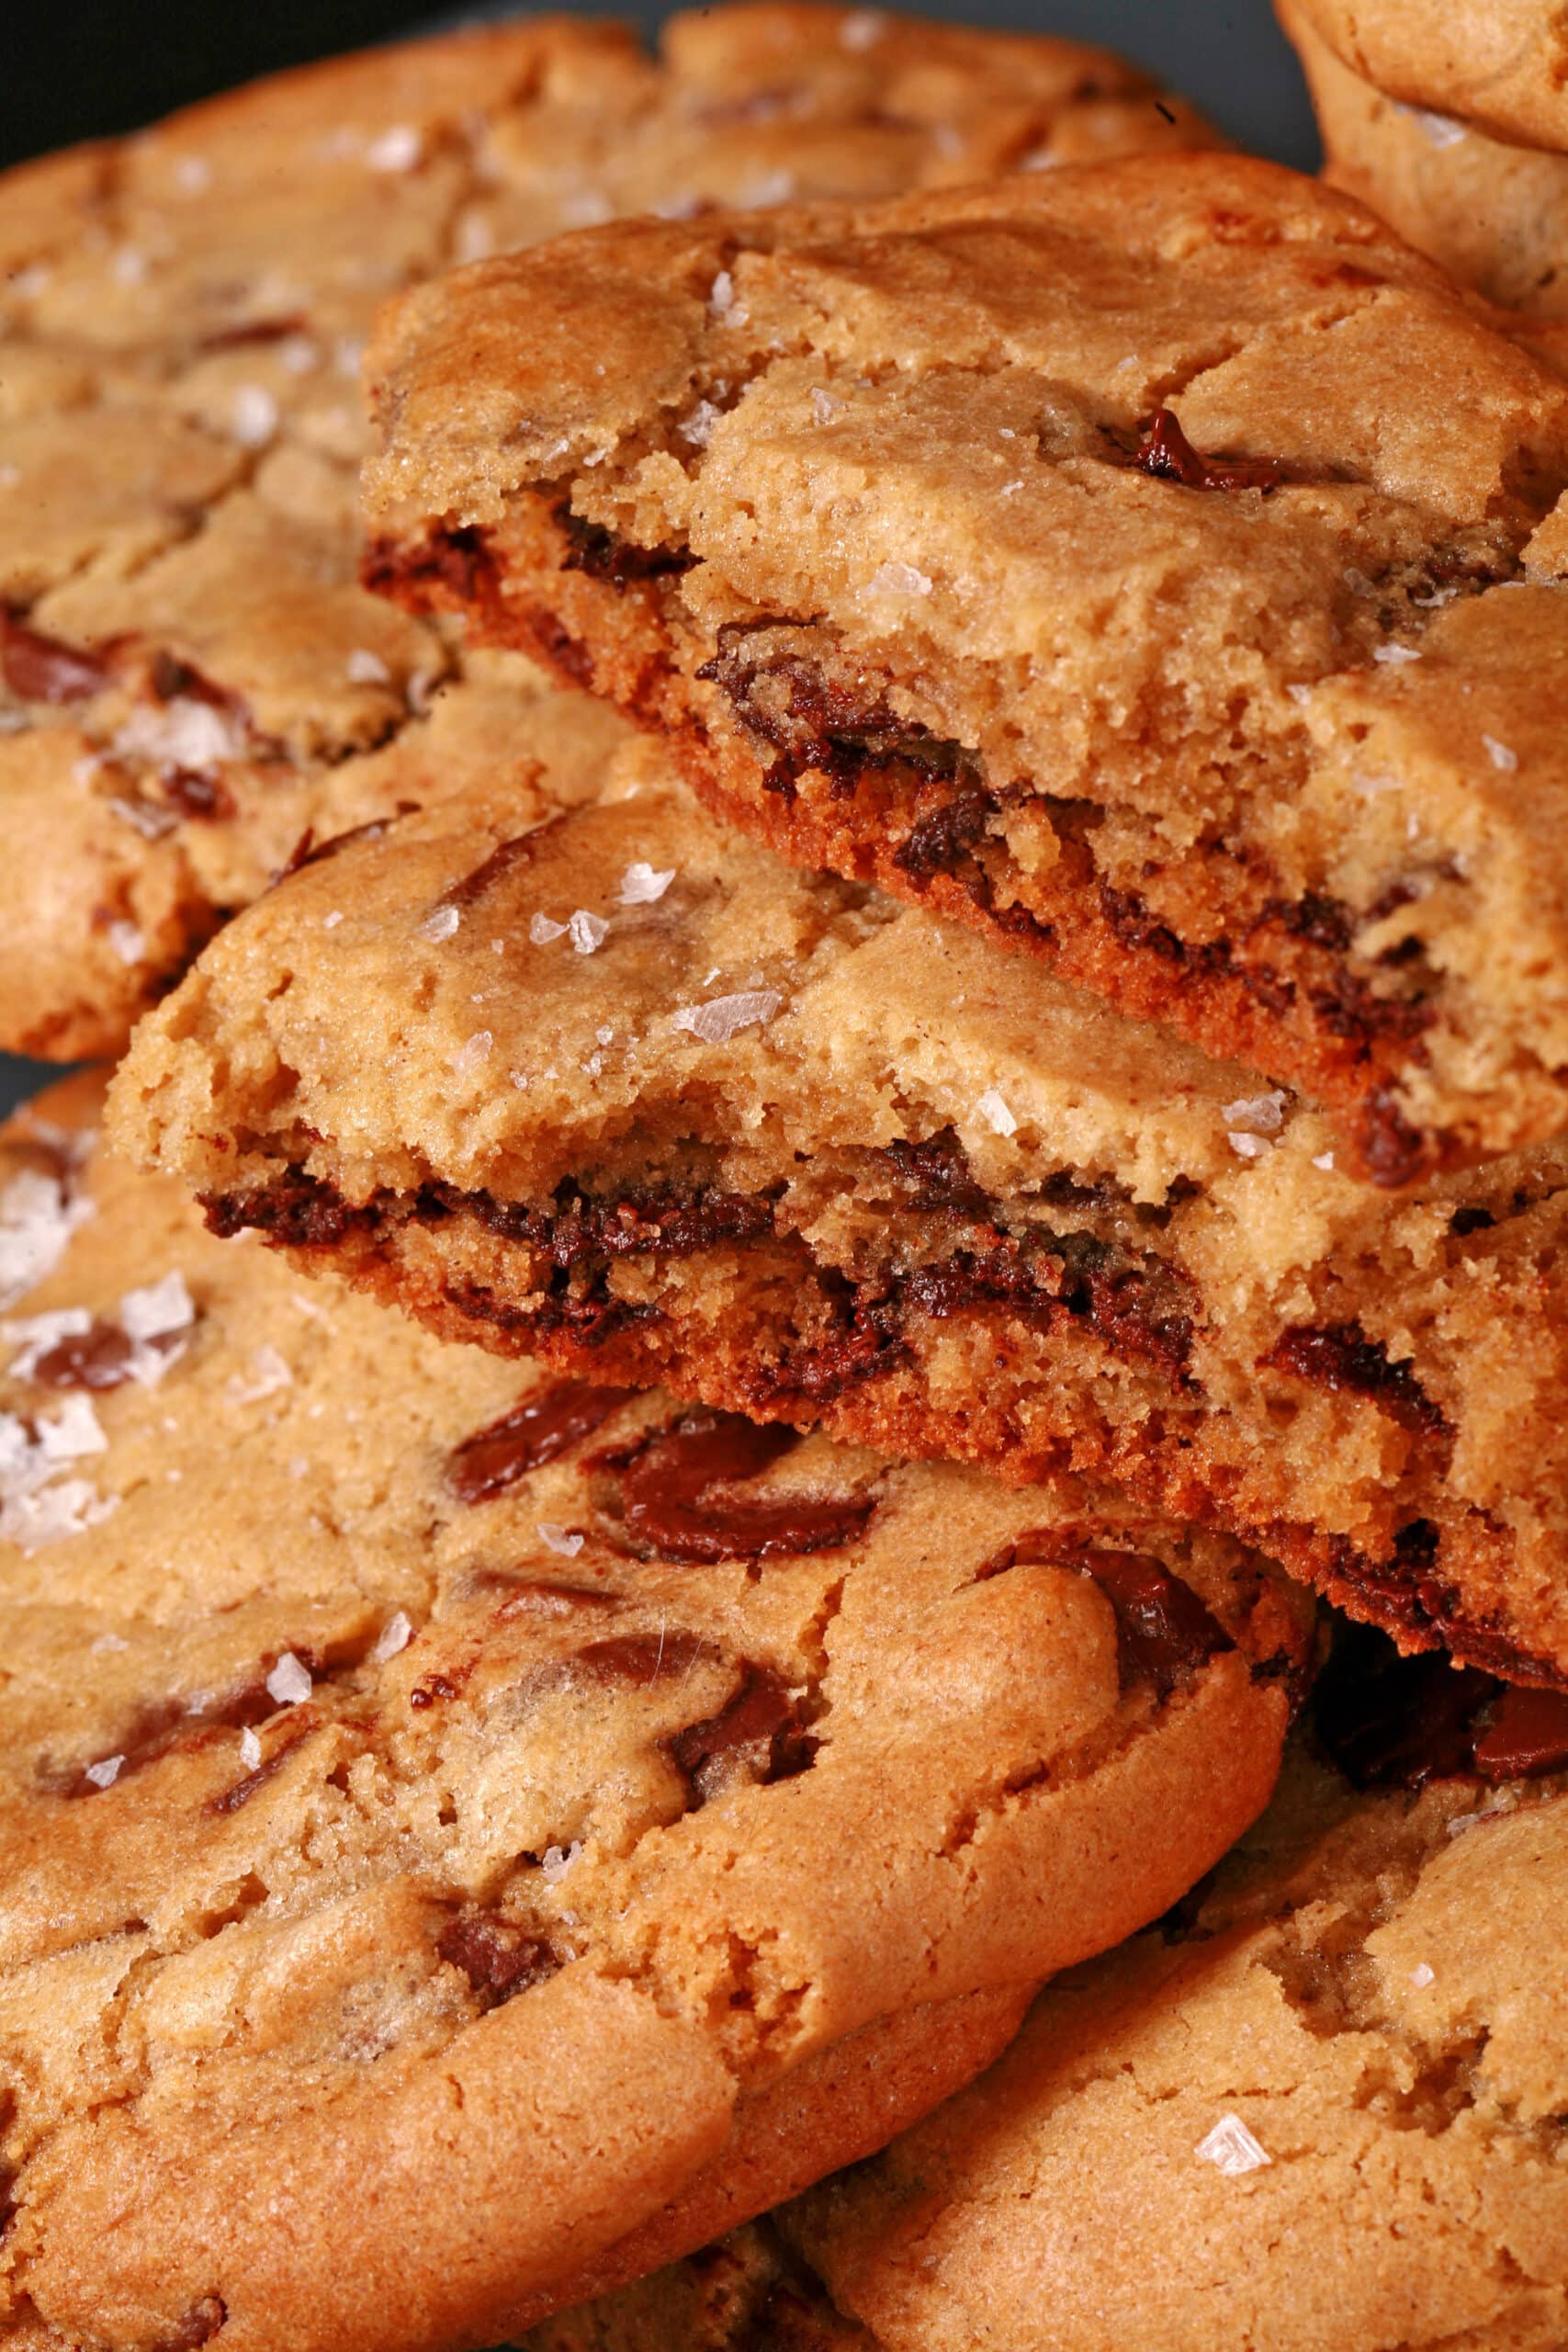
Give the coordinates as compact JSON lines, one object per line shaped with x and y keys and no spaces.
{"x":191,"y":678}
{"x":1155,"y":566}
{"x":411,"y":1764}
{"x":624,"y":1089}
{"x":1500,"y":63}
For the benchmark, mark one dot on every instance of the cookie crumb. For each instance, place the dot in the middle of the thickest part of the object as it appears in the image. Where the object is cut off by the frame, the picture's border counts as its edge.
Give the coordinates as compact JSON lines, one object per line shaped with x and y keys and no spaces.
{"x":1231,"y":2148}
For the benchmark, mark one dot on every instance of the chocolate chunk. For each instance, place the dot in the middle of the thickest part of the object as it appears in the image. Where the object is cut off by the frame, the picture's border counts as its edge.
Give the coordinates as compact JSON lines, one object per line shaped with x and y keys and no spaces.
{"x":456,"y":563}
{"x":677,"y":1502}
{"x":505,"y":859}
{"x":1393,"y":1152}
{"x":196,"y":793}
{"x":234,"y":1798}
{"x":1394,"y":1722}
{"x":44,"y":669}
{"x":533,"y":1433}
{"x":809,"y":720}
{"x":164,"y":1724}
{"x":944,"y":838}
{"x":1338,"y":1356}
{"x":294,"y":1210}
{"x":309,"y":851}
{"x":936,"y":1175}
{"x":603,"y":555}
{"x":199,"y":2326}
{"x":499,"y":1958}
{"x":640,"y":1657}
{"x":433,"y":1687}
{"x":1164,"y":1633}
{"x":757,"y":1736}
{"x":97,"y":1358}
{"x":1167,"y":455}
{"x":529,"y":1598}
{"x":253,"y":330}
{"x":1528,"y":1734}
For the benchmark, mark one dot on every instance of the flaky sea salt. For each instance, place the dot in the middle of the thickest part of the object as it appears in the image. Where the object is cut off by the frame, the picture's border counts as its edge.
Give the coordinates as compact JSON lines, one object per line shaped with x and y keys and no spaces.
{"x":397,"y":149}
{"x":1500,"y":754}
{"x":68,"y":1507}
{"x":144,"y":816}
{"x":269,"y":1373}
{"x":109,"y":1642}
{"x":769,"y":188}
{"x":289,"y":1682}
{"x":1441,"y":129}
{"x":193,"y":173}
{"x":898,"y":580}
{"x":1231,"y":2148}
{"x":696,"y":427}
{"x":640,"y":886}
{"x":825,"y":405}
{"x":543,"y":929}
{"x":129,"y":266}
{"x":1255,"y":1114}
{"x":331,"y":920}
{"x":1421,"y":1976}
{"x":395,"y":1636}
{"x":39,"y":1333}
{"x":862,"y":29}
{"x":152,"y":1318}
{"x":37,"y":1216}
{"x":556,"y":1860}
{"x":128,"y":942}
{"x":1394,"y":653}
{"x":468,"y":1057}
{"x":722,"y":303}
{"x":440,"y":924}
{"x":253,"y":416}
{"x":1299,"y":692}
{"x":717,"y":1021}
{"x":588,"y":932}
{"x":182,"y":733}
{"x":364,"y":668}
{"x":71,"y":1433}
{"x":106,"y":1772}
{"x":996,"y":1113}
{"x":565,"y":1540}
{"x":250,"y":1749}
{"x":1324,"y":1159}
{"x":1248,"y":1147}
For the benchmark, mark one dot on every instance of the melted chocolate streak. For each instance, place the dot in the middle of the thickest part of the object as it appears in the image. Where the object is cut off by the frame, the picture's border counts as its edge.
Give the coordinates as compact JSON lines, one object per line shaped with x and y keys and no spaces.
{"x":810,"y":724}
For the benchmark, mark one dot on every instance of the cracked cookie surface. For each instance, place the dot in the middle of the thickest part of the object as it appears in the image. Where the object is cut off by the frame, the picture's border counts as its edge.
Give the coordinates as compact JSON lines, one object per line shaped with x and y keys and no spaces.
{"x":424,"y":1782}
{"x":191,"y":678}
{"x":1494,"y":215}
{"x":624,"y":1090}
{"x":1092,"y":561}
{"x":1501,"y":64}
{"x":1318,"y":2110}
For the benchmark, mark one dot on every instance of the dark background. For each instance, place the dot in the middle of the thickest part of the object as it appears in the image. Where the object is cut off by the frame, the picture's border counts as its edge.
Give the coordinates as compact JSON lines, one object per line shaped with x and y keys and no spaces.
{"x":81,"y":68}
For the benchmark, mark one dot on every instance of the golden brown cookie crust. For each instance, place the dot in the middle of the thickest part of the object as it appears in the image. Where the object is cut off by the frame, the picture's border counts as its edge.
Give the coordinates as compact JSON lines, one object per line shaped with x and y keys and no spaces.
{"x":1102,"y":692}
{"x":1500,"y":63}
{"x":1494,"y":216}
{"x":191,"y":679}
{"x":408,"y":1785}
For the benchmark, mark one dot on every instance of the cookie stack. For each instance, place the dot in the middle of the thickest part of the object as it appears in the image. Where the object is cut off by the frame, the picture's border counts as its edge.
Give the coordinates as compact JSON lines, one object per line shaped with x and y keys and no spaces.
{"x":851,"y":1046}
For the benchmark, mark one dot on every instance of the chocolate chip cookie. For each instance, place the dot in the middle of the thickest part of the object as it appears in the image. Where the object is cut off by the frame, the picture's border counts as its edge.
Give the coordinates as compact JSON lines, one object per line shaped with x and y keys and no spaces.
{"x":1317,"y":2108}
{"x":1154,"y":566}
{"x":622,"y":1089}
{"x":1501,"y":64}
{"x":464,"y":1838}
{"x":1495,"y":215}
{"x":191,"y":678}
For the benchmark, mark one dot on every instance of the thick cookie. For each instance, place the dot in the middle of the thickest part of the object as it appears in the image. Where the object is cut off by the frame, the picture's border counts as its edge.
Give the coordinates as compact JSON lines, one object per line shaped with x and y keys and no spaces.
{"x":191,"y":678}
{"x":1317,"y":2113}
{"x":464,"y":1840}
{"x":624,"y":1090}
{"x":1153,"y":566}
{"x":1495,"y":216}
{"x":1500,"y":63}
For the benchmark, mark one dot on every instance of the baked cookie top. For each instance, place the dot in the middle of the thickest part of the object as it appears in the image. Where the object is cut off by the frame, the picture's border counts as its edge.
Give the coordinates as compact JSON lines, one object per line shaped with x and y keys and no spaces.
{"x":1155,"y":565}
{"x":1318,"y":2107}
{"x":622,"y":1086}
{"x":418,"y":1777}
{"x":191,"y":677}
{"x":1501,"y":64}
